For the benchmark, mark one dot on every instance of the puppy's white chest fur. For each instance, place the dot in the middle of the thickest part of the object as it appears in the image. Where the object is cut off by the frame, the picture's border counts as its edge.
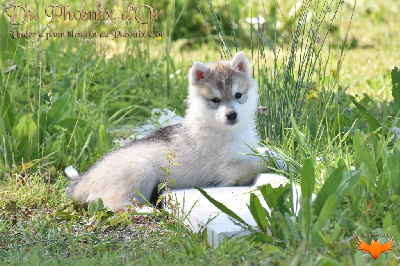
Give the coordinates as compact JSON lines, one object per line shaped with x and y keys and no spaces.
{"x":213,"y":158}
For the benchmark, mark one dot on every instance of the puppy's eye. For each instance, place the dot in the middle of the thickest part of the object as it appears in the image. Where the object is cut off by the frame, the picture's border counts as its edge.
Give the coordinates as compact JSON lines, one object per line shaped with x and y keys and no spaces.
{"x":215,"y":100}
{"x":238,"y":95}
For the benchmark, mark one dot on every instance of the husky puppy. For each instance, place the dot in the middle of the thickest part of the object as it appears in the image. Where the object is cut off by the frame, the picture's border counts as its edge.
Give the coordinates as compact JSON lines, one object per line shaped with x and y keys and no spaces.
{"x":218,"y":127}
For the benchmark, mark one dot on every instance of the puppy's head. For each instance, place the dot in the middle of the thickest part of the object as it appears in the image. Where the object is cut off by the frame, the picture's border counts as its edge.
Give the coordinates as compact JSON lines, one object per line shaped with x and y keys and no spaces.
{"x":222,"y":93}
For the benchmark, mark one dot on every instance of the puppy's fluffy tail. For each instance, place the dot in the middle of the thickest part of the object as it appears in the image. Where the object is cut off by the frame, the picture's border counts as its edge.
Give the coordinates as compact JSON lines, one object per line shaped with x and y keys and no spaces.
{"x":71,"y":172}
{"x":73,"y":176}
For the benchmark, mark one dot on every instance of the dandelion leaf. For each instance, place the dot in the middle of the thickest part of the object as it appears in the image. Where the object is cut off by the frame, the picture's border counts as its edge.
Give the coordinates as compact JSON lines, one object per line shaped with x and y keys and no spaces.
{"x":396,"y":87}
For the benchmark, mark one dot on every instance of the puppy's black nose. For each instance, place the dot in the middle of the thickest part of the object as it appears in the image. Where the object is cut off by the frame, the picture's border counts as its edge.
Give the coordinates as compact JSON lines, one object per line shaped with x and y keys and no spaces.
{"x":231,"y":116}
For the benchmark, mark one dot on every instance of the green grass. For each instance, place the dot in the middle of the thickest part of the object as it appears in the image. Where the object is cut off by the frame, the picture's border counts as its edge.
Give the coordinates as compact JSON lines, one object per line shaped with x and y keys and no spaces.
{"x":330,"y":118}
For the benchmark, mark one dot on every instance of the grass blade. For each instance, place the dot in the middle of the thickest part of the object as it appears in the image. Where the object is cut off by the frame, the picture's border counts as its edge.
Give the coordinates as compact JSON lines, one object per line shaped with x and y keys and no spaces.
{"x":221,"y":206}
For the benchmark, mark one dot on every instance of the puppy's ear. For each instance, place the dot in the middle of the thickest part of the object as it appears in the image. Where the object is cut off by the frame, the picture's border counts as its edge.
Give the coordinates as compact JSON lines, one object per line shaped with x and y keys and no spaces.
{"x":241,"y":63}
{"x":197,"y":73}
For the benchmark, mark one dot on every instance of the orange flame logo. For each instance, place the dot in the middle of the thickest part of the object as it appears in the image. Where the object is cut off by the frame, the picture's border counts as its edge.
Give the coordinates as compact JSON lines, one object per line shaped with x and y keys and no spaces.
{"x":375,"y":248}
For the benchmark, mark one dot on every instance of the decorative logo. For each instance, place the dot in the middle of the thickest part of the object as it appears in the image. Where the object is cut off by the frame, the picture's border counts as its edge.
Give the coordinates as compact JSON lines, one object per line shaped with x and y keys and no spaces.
{"x":375,"y":248}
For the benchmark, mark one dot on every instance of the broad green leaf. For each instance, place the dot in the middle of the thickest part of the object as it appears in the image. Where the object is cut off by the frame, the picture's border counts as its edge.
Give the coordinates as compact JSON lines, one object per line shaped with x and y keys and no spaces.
{"x":103,"y":214}
{"x":363,"y":154}
{"x":393,"y":167}
{"x":275,"y":198}
{"x":307,"y":179}
{"x":361,"y":108}
{"x":331,"y":185}
{"x":396,"y":87}
{"x":292,"y":227}
{"x":388,"y":220}
{"x":270,"y":195}
{"x":271,"y":249}
{"x":327,"y":210}
{"x":26,"y":135}
{"x":376,"y":146}
{"x":264,"y":237}
{"x":373,"y":123}
{"x":306,"y":211}
{"x":92,"y":208}
{"x":8,"y":45}
{"x":313,"y":126}
{"x":71,"y":123}
{"x":326,"y":213}
{"x":221,"y":206}
{"x":282,"y":199}
{"x":389,"y":227}
{"x":350,"y":179}
{"x":57,"y":111}
{"x":258,"y":212}
{"x":100,"y":204}
{"x":64,"y":215}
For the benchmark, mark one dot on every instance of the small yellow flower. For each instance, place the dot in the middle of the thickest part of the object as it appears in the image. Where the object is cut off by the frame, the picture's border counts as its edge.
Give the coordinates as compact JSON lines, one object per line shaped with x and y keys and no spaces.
{"x":311,"y":94}
{"x":334,"y":73}
{"x":158,"y":38}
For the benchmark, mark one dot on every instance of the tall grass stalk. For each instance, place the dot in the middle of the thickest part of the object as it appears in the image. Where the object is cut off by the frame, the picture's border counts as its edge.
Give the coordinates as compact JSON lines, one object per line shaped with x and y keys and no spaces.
{"x":283,"y":90}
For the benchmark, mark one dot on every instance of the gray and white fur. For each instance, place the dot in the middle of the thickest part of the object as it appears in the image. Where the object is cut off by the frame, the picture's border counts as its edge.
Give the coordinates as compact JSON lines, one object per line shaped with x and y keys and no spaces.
{"x":218,"y":126}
